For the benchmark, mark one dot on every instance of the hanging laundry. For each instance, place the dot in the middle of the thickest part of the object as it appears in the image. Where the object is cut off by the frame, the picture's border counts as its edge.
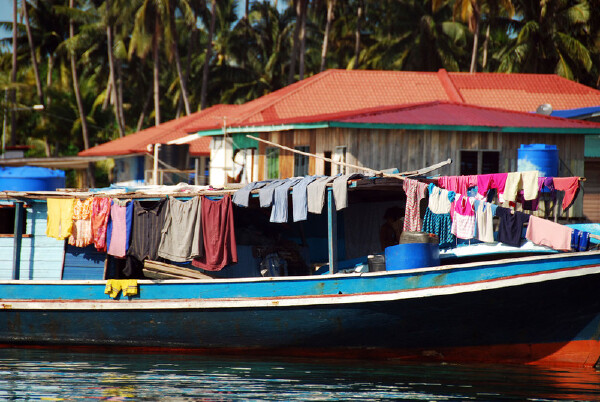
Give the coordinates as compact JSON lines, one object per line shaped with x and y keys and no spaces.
{"x":241,"y":197}
{"x":148,"y":221}
{"x":340,"y":189}
{"x":486,"y":182}
{"x":299,"y":199}
{"x":463,"y":224}
{"x":580,"y":240}
{"x":118,"y":229}
{"x":510,"y":227}
{"x":81,"y":232}
{"x":315,"y":193}
{"x":218,"y":233}
{"x":437,"y":218}
{"x":265,"y":194}
{"x":60,"y":217}
{"x":415,"y":192}
{"x":181,"y":236}
{"x":458,"y":184}
{"x":527,"y":181}
{"x":279,"y":212}
{"x":484,"y":216}
{"x":570,"y":185}
{"x":547,"y":233}
{"x":100,"y":213}
{"x":129,"y":287}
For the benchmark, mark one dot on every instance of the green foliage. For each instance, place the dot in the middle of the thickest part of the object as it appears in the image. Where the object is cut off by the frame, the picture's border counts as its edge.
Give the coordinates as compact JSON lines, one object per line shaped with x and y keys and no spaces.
{"x":251,"y":57}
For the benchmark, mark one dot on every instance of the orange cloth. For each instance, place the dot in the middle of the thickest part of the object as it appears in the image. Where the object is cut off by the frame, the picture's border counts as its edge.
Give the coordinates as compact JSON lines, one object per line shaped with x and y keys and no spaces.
{"x":570,"y":185}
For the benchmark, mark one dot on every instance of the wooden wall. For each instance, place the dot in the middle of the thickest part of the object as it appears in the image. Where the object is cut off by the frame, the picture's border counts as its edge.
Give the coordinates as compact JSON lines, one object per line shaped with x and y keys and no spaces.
{"x":591,"y":196}
{"x":41,"y":256}
{"x":413,"y":149}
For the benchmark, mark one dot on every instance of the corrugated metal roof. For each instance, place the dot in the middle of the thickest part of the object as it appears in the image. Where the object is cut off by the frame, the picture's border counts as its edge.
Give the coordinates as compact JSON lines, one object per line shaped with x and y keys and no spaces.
{"x":458,"y":114}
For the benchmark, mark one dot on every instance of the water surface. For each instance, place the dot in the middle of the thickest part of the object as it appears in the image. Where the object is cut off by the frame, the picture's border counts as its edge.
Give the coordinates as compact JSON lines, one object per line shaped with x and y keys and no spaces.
{"x":54,"y":375}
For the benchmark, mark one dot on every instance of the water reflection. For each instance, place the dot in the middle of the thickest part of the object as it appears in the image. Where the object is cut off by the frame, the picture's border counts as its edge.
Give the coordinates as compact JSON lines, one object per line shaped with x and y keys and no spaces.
{"x":51,"y":375}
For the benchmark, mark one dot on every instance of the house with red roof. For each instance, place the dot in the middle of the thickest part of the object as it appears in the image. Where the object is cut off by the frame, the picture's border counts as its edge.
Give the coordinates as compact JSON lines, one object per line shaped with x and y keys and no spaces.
{"x":383,"y":119}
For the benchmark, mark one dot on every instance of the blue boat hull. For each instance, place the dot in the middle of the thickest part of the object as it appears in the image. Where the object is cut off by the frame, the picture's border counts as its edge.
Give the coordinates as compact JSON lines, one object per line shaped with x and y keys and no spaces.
{"x":550,"y":316}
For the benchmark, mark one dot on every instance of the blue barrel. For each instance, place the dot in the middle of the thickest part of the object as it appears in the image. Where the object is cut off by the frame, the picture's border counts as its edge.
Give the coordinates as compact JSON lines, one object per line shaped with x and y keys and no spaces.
{"x":30,"y":178}
{"x":412,"y":255}
{"x":540,"y":157}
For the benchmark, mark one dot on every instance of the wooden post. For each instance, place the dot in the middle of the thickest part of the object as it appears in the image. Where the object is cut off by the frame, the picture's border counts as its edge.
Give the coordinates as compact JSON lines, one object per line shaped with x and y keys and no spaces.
{"x":18,"y":236}
{"x":332,"y":234}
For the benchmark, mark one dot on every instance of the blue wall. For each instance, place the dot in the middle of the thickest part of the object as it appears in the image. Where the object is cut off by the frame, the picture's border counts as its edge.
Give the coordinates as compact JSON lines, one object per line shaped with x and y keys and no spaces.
{"x":41,"y":256}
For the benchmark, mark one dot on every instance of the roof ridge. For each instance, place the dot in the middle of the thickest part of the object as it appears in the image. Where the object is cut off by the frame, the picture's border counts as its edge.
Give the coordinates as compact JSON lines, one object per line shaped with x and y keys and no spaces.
{"x":448,"y":85}
{"x":304,"y":83}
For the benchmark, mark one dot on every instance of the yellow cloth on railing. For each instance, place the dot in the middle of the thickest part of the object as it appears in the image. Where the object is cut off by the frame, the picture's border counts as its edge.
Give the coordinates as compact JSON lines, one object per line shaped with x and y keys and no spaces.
{"x":128,"y":286}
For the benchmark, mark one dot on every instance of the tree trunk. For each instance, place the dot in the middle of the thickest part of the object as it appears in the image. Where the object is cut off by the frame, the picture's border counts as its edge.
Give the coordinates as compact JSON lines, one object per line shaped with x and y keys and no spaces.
{"x":38,"y":81}
{"x":175,"y":50}
{"x":82,"y":116}
{"x":119,"y":92}
{"x":475,"y":46}
{"x":208,"y":54}
{"x":246,"y":9}
{"x":13,"y":80}
{"x":357,"y":35}
{"x":292,"y":71}
{"x":302,"y":38}
{"x":485,"y":47}
{"x":49,"y":74}
{"x":155,"y":72}
{"x":330,"y":5}
{"x":144,"y":109}
{"x":111,"y":67}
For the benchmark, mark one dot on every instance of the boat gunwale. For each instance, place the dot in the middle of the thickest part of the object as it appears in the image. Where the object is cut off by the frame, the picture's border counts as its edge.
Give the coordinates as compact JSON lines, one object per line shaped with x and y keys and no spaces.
{"x":398,"y":272}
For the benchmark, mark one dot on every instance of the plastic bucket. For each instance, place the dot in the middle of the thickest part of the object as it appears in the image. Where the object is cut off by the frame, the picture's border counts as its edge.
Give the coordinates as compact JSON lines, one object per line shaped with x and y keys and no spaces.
{"x":376,"y":263}
{"x":412,"y":255}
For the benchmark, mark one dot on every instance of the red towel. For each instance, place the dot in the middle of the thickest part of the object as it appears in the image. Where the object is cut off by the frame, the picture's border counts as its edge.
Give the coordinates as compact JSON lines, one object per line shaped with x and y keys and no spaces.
{"x":570,"y":185}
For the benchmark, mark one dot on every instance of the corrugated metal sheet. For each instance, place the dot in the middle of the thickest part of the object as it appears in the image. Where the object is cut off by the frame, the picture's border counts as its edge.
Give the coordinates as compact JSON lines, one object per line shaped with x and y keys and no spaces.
{"x":83,"y":263}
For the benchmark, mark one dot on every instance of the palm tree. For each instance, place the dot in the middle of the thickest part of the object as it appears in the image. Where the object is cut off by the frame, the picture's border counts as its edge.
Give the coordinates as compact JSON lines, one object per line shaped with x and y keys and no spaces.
{"x":211,"y":32}
{"x":38,"y":81}
{"x":550,"y":39}
{"x":13,"y":78}
{"x":330,"y":16}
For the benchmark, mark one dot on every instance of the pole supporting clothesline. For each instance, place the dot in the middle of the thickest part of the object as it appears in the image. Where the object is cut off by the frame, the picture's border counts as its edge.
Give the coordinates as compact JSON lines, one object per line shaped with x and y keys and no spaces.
{"x":400,"y":176}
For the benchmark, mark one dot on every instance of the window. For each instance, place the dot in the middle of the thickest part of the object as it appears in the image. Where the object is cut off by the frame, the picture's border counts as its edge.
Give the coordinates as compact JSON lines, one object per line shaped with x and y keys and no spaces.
{"x":327,"y":166}
{"x":301,"y":161}
{"x":339,"y":156}
{"x":272,"y":163}
{"x":7,"y":219}
{"x":479,"y":162}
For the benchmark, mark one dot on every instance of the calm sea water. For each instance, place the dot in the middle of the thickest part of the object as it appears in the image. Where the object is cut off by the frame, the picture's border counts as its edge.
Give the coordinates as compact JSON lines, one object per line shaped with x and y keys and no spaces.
{"x":52,"y":375}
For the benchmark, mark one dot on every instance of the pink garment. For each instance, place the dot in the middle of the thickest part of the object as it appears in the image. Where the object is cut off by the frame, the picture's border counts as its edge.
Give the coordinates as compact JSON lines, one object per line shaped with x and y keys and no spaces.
{"x":570,"y":185}
{"x":415,"y":192}
{"x":118,"y":236}
{"x":463,"y":222}
{"x":547,"y":233}
{"x":100,"y":213}
{"x":458,"y":184}
{"x":485,"y":182}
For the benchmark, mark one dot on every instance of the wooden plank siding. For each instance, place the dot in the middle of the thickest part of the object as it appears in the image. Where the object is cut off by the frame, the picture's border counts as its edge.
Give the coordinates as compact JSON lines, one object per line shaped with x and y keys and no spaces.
{"x":591,"y":196}
{"x":41,"y":256}
{"x":413,"y":149}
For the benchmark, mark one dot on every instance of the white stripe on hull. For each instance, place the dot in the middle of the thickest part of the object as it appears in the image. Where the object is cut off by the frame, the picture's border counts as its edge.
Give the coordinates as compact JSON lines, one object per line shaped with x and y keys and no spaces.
{"x":295,"y":301}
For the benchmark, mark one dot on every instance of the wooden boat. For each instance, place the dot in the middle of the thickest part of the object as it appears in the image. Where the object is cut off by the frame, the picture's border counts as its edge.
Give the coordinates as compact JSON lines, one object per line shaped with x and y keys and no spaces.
{"x":513,"y":305}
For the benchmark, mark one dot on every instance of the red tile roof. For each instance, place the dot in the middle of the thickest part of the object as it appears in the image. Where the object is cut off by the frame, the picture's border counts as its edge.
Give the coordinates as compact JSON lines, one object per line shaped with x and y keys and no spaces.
{"x":165,"y":132}
{"x":335,"y":91}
